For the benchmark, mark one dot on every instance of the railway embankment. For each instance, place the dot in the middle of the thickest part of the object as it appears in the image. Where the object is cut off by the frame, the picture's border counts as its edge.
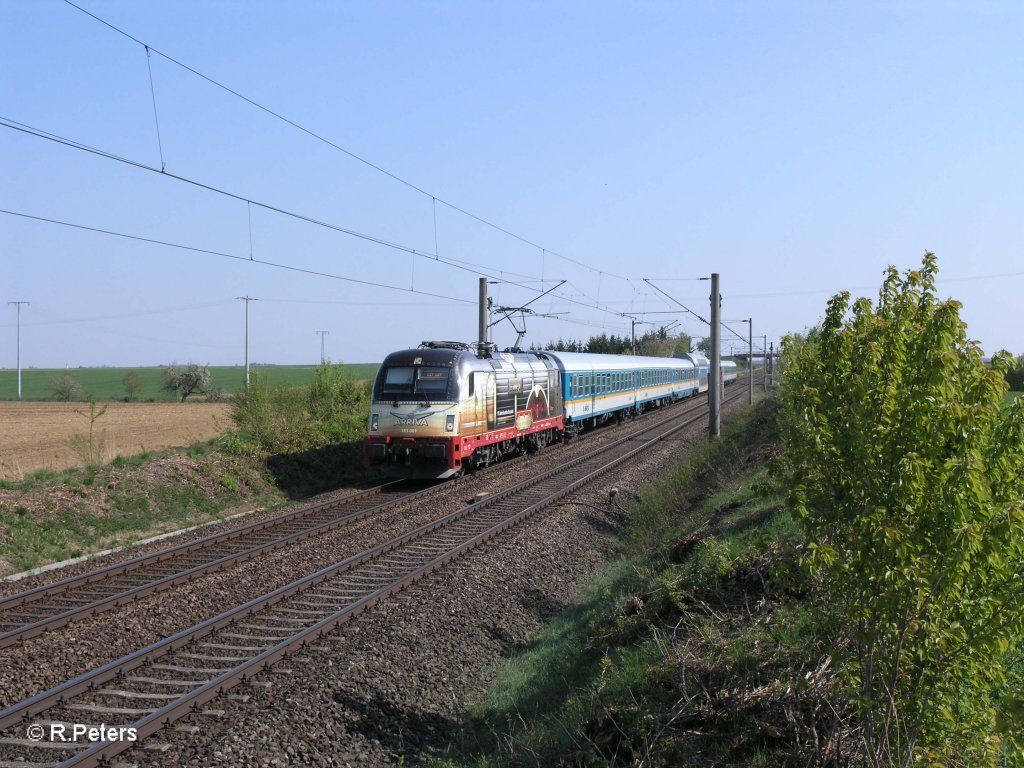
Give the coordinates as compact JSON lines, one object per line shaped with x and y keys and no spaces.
{"x":276,"y":444}
{"x":694,"y":645}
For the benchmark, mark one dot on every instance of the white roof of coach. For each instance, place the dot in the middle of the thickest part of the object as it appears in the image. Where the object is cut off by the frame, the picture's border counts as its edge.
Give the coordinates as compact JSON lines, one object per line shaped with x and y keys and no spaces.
{"x":585,"y":361}
{"x":695,"y":357}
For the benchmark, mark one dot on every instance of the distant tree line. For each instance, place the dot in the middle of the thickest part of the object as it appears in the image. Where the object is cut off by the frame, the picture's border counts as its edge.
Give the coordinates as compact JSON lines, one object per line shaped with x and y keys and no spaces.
{"x":657,"y":343}
{"x":179,"y":380}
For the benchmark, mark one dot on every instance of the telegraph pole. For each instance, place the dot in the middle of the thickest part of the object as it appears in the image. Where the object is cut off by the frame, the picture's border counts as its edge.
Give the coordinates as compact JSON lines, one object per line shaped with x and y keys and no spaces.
{"x":246,"y":299}
{"x":715,"y":372}
{"x":17,"y":306}
{"x":632,"y":333}
{"x":322,"y":334}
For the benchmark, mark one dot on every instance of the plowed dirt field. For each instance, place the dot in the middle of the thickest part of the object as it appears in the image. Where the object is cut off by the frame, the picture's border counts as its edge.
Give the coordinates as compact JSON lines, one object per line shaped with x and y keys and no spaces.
{"x":55,"y":435}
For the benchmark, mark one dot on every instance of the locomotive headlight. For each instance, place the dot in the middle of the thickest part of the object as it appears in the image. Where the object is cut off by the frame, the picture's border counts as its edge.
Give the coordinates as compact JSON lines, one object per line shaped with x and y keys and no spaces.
{"x":374,"y":426}
{"x":449,"y":424}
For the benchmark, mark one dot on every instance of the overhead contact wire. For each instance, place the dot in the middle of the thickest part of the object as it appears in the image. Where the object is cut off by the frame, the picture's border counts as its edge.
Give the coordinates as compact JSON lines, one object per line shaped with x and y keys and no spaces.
{"x":209,"y":252}
{"x":332,"y":144}
{"x":64,"y":141}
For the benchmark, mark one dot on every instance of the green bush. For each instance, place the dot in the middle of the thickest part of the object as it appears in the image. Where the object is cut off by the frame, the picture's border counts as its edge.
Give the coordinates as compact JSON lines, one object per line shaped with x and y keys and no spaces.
{"x":907,"y":476}
{"x":331,"y":409}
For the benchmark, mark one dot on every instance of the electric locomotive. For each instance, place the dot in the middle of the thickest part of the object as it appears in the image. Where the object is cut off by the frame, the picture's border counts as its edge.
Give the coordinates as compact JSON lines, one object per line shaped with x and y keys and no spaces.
{"x":447,"y":406}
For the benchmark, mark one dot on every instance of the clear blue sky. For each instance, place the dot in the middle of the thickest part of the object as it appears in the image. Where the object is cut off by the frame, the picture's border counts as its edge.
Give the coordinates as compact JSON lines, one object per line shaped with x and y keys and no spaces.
{"x":797,"y":148}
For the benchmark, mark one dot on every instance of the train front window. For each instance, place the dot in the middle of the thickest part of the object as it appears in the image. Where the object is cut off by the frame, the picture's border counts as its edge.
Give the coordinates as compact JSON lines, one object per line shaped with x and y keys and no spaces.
{"x":419,"y":382}
{"x":432,"y":381}
{"x":398,"y":381}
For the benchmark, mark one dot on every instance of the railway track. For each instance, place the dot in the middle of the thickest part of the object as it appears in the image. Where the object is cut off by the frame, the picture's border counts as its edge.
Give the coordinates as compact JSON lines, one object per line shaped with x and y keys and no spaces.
{"x":50,"y":606}
{"x":164,"y":681}
{"x":32,"y":612}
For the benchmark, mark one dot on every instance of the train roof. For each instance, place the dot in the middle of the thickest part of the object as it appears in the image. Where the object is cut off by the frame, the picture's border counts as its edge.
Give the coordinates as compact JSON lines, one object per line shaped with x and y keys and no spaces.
{"x":447,"y":353}
{"x":586,"y":361}
{"x":696,"y":358}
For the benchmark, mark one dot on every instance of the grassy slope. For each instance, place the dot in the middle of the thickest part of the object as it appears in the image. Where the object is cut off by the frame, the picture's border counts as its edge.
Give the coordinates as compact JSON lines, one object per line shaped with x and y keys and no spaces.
{"x":50,"y":516}
{"x":53,"y":516}
{"x":106,"y":383}
{"x":695,"y":647}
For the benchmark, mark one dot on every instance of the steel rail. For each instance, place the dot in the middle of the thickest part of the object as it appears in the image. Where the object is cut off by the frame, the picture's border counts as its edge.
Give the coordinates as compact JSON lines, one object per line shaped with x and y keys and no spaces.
{"x":160,"y":582}
{"x":186,"y":703}
{"x":135,"y":568}
{"x":116,"y":569}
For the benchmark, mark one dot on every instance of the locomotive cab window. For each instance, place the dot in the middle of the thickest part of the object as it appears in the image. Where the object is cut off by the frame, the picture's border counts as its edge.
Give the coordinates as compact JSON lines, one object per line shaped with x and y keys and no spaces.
{"x":432,"y":381}
{"x":410,"y":381}
{"x":398,"y":381}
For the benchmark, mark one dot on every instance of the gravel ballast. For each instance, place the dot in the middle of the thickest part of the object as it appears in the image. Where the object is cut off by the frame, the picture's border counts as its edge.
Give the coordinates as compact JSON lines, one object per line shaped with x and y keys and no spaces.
{"x":388,"y":688}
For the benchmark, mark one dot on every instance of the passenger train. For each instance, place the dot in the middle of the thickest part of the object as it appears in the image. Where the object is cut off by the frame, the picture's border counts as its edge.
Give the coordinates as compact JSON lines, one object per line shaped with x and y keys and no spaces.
{"x":447,"y":407}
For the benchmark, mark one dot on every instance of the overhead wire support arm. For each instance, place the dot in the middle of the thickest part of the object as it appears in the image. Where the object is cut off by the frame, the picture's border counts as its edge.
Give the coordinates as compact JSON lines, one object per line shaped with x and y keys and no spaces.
{"x":527,"y":304}
{"x":676,"y":301}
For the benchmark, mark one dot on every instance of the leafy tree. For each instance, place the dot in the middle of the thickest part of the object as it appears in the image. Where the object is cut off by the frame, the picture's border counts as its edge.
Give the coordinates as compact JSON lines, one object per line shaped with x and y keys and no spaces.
{"x":907,"y":477}
{"x":65,"y":388}
{"x":132,"y":386}
{"x":661,"y":344}
{"x":1015,"y":376}
{"x":704,"y":346}
{"x":190,"y":379}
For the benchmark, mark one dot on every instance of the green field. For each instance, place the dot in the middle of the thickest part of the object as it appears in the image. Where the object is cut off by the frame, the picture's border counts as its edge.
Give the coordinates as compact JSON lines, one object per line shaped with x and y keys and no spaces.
{"x":107,"y":383}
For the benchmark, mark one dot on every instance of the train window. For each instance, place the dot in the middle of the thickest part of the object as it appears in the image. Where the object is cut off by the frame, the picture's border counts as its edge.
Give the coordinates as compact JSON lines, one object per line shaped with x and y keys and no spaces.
{"x":432,"y":381}
{"x":398,"y":381}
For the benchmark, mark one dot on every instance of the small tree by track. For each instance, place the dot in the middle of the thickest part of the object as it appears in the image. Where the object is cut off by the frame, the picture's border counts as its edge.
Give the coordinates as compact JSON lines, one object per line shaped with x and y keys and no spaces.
{"x":186,"y":380}
{"x":907,"y":475}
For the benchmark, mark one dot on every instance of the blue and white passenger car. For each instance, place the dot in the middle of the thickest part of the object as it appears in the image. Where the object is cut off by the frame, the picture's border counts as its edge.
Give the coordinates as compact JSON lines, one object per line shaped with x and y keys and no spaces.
{"x":597,"y":388}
